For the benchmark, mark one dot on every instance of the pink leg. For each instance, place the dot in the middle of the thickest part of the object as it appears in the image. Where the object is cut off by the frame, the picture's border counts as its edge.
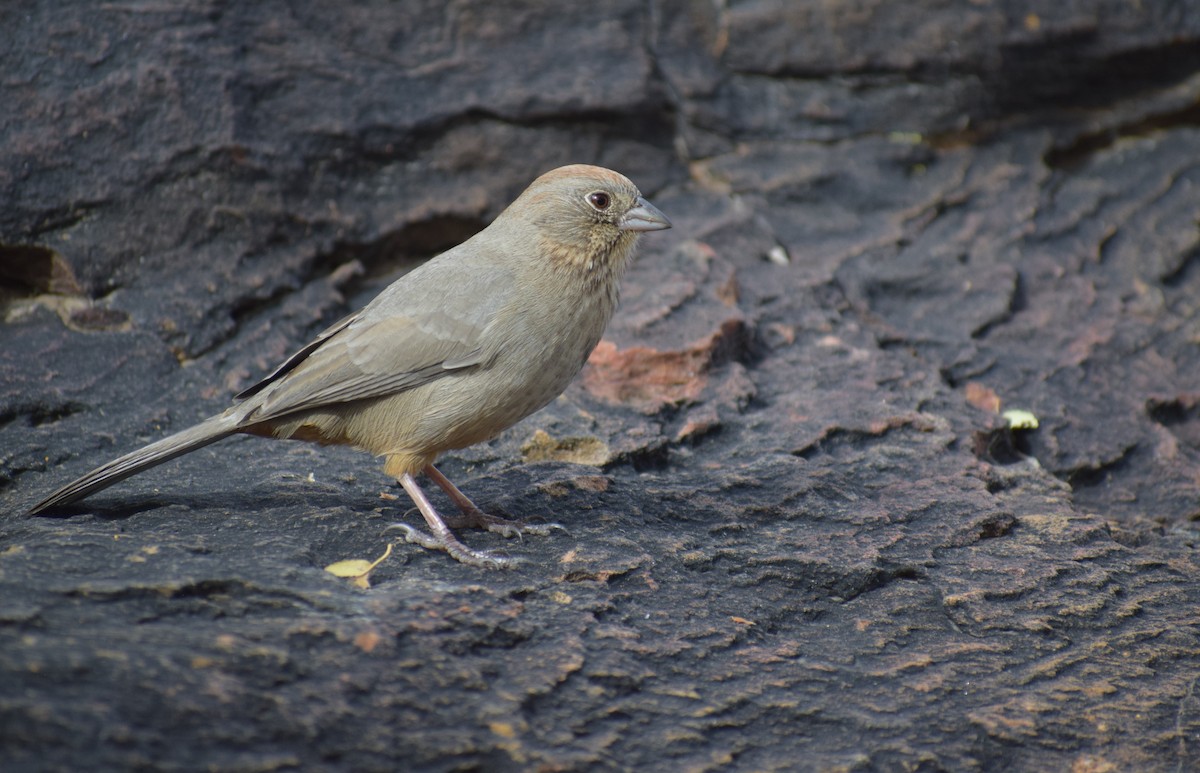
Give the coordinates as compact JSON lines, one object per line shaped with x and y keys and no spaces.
{"x":440,"y":537}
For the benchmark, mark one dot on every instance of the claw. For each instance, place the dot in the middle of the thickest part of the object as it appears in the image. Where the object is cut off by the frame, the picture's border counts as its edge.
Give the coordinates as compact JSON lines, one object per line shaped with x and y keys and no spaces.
{"x":456,"y":549}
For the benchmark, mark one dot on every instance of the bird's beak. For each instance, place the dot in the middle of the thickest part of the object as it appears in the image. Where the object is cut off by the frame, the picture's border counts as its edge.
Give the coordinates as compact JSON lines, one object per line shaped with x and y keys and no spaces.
{"x":643,"y":217}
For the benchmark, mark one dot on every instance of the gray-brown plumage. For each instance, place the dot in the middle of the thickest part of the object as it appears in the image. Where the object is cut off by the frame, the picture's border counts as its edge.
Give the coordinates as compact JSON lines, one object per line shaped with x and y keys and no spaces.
{"x":449,"y":355}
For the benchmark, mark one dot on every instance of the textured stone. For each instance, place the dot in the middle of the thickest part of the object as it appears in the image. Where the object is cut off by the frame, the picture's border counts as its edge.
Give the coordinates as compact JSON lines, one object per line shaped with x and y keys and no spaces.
{"x":798,"y":530}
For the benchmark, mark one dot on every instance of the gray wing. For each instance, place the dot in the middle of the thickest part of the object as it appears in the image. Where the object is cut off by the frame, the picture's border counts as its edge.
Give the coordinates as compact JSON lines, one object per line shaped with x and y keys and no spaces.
{"x":427,"y":324}
{"x":297,"y":358}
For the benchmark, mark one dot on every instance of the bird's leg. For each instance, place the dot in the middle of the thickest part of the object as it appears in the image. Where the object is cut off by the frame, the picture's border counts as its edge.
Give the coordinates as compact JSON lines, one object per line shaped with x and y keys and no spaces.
{"x":440,"y":536}
{"x":472,"y":516}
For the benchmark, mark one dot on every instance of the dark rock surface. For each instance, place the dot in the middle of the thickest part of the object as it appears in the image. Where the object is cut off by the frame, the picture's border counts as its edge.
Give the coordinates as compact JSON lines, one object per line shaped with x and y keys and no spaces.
{"x":800,"y":534}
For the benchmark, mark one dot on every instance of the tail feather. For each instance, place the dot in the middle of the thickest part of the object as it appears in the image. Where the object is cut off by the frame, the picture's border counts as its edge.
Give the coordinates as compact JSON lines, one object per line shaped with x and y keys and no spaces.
{"x":164,"y":450}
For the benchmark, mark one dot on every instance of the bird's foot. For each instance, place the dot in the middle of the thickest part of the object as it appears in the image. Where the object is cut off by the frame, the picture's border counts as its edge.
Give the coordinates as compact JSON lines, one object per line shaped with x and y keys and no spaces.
{"x":456,"y":549}
{"x":477,"y":519}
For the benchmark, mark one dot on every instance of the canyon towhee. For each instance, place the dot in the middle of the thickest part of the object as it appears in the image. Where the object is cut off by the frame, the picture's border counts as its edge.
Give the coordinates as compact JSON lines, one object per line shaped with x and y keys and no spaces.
{"x":450,"y":354}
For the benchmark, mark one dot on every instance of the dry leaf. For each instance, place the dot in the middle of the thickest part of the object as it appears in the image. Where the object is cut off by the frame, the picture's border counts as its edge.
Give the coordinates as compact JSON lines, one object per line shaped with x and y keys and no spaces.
{"x":357,"y":569}
{"x":1018,"y":419}
{"x":352,"y":568}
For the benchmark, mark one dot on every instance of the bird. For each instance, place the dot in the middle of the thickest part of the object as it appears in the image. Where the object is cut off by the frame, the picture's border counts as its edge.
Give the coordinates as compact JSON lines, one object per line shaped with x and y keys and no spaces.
{"x":449,"y":355}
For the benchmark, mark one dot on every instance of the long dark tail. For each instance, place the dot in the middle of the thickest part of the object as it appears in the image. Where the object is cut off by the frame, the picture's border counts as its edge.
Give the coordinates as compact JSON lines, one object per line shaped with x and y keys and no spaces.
{"x":208,"y":431}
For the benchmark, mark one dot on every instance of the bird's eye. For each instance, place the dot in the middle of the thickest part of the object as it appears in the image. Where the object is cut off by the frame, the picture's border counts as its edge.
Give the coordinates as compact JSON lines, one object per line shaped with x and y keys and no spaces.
{"x":600,"y":200}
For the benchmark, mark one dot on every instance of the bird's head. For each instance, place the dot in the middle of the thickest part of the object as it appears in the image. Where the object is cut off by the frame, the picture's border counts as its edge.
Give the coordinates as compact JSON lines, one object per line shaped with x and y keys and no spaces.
{"x":587,"y":218}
